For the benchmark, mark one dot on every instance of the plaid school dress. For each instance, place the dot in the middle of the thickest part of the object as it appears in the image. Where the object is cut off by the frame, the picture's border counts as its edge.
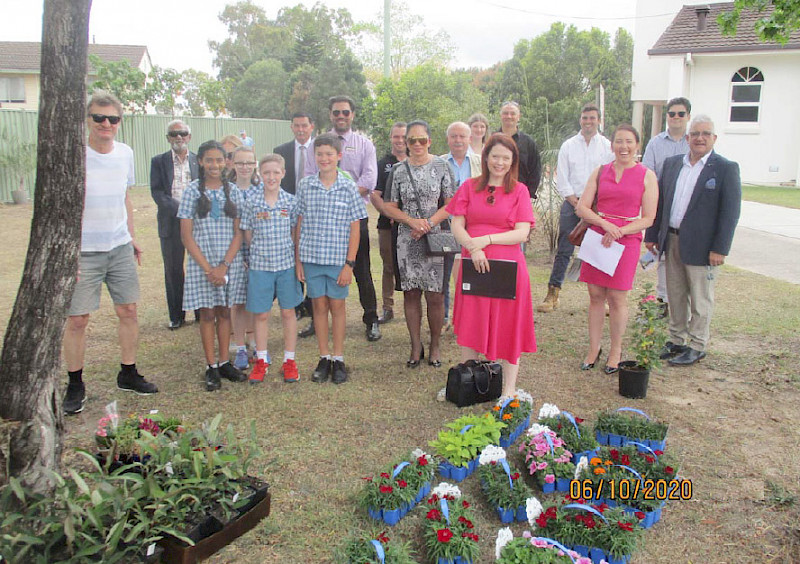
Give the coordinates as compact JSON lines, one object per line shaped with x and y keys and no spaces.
{"x":213,"y":235}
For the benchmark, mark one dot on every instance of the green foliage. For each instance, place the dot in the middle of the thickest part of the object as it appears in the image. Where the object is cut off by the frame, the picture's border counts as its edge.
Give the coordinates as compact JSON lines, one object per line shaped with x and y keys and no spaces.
{"x":427,"y":92}
{"x":778,"y":496}
{"x":124,"y":81}
{"x":358,"y":549}
{"x":16,"y":156}
{"x":458,"y":446}
{"x":499,"y":490}
{"x":458,"y":537}
{"x":575,"y":441}
{"x":630,"y":425}
{"x":261,"y":91}
{"x":521,"y":550}
{"x":777,"y":26}
{"x":648,"y":330}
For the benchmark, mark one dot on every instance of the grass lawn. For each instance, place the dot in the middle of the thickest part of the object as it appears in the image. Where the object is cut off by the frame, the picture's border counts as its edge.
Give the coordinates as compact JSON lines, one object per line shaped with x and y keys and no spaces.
{"x":733,"y":416}
{"x":786,"y":196}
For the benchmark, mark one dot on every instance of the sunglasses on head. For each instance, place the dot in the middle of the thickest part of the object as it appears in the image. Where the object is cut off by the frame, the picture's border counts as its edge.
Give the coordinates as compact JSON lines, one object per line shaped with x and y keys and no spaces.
{"x":177,"y":132}
{"x":345,"y":113}
{"x":415,"y":140}
{"x":100,"y":118}
{"x":679,"y":114}
{"x":490,"y":197}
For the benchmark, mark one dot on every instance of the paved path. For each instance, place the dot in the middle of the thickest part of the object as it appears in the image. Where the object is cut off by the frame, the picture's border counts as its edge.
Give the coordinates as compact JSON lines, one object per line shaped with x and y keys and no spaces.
{"x":767,"y":241}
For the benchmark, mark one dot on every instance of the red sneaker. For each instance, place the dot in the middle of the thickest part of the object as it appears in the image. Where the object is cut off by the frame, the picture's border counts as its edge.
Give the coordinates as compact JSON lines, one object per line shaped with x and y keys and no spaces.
{"x":290,"y":373}
{"x":259,"y":371}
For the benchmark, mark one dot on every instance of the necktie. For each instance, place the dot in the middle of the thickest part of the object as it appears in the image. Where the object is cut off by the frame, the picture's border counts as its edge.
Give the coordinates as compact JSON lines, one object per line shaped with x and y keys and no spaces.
{"x":301,"y":166}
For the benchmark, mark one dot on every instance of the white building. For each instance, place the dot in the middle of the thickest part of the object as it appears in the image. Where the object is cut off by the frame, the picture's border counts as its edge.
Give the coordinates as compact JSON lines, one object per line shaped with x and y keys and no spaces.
{"x":751,"y":89}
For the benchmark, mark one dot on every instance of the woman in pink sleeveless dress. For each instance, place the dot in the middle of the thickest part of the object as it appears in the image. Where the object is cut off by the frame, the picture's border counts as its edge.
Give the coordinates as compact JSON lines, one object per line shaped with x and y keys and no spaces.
{"x":627,"y":198}
{"x":492,"y":216}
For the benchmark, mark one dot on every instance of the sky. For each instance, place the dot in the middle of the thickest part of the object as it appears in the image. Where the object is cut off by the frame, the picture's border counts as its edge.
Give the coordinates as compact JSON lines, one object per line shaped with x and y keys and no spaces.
{"x":177,"y":33}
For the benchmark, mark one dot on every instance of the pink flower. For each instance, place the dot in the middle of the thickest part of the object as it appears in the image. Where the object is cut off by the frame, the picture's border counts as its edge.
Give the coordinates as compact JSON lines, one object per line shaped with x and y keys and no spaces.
{"x":539,"y":543}
{"x":549,"y":478}
{"x":583,"y":560}
{"x":650,"y":298}
{"x":541,"y":466}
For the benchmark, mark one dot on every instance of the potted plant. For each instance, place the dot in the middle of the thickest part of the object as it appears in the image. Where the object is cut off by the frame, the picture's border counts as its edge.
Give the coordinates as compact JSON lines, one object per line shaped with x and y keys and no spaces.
{"x":614,"y":428}
{"x":460,"y":444}
{"x":549,"y":462}
{"x":449,"y":528}
{"x":648,"y":335}
{"x":515,"y":412}
{"x":529,"y":549}
{"x":388,"y":496}
{"x":367,"y":548}
{"x":505,"y":491}
{"x":577,"y":436}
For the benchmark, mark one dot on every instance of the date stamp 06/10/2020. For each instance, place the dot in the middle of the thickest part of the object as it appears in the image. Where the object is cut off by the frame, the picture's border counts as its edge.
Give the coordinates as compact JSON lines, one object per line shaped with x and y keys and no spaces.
{"x":630,"y":489}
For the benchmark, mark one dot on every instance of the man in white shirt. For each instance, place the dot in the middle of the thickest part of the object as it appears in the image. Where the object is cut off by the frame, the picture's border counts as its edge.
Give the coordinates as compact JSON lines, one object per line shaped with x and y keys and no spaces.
{"x":578,"y":157}
{"x":108,"y":253}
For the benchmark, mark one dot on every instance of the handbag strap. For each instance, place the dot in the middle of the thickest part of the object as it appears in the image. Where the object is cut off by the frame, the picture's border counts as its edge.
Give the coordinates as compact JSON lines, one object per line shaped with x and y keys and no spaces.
{"x":445,"y":224}
{"x":483,"y":370}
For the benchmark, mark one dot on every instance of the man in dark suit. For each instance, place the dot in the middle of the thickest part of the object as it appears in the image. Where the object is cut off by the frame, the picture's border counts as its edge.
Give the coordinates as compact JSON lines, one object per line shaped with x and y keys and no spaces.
{"x":170,"y":174}
{"x":699,"y":201}
{"x":297,"y":151}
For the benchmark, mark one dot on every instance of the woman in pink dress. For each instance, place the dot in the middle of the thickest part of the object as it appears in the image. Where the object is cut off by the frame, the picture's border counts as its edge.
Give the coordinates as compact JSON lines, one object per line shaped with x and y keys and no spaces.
{"x":492,"y":216}
{"x":627,"y":198}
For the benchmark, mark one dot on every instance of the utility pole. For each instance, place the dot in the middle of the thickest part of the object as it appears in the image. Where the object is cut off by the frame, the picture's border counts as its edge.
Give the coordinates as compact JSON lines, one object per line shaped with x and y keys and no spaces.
{"x":387,"y":38}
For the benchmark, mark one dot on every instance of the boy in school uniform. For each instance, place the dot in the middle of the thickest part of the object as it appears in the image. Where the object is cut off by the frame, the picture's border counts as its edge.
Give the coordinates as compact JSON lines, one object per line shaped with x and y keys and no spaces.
{"x":329,"y":212}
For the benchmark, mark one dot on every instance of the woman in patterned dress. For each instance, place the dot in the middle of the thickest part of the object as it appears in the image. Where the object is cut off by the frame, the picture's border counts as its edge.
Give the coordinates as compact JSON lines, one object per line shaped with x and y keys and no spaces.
{"x":420,"y":188}
{"x":215,"y":278}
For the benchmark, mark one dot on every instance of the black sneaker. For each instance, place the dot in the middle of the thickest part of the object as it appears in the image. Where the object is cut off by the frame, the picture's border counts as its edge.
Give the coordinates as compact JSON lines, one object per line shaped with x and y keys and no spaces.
{"x":339,"y":372}
{"x":74,"y":398}
{"x":230,"y":372}
{"x":322,"y":371}
{"x":135,"y":383}
{"x":212,"y":380}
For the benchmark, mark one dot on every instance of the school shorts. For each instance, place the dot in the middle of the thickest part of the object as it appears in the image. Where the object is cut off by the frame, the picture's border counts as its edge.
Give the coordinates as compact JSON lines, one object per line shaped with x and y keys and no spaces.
{"x":264,"y":286}
{"x":321,"y":281}
{"x":117,"y":268}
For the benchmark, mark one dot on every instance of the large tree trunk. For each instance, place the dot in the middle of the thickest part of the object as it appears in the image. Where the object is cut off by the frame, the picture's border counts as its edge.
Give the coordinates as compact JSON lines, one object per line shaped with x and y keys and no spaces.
{"x":30,"y":363}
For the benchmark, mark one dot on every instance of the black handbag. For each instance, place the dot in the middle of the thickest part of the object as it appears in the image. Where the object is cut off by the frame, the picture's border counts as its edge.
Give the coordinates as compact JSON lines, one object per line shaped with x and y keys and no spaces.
{"x":437,"y":243}
{"x":474,"y":382}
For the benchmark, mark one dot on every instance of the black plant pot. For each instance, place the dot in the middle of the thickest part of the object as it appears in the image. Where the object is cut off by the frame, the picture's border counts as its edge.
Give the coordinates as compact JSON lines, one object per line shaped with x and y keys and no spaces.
{"x":633,"y":380}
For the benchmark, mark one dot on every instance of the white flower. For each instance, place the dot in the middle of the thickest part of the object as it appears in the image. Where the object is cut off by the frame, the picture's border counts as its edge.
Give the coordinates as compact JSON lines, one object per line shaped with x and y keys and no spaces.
{"x":548,"y":410}
{"x":447,"y":490}
{"x":504,"y":536}
{"x":536,"y":429}
{"x":583,"y":463}
{"x":491,"y":454}
{"x":533,"y":508}
{"x":417,"y":453}
{"x":522,"y":395}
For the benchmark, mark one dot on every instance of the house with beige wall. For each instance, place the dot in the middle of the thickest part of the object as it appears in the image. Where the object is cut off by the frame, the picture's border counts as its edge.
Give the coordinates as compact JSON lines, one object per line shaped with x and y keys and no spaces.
{"x":748,"y":87}
{"x":20,"y":62}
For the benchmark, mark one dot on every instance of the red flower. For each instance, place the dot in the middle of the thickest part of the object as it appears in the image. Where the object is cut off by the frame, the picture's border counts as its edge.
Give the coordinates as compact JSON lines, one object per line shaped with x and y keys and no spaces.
{"x":515,"y":476}
{"x":669,"y":469}
{"x":625,"y":459}
{"x":614,"y":454}
{"x":579,"y":420}
{"x":658,"y":452}
{"x":382,"y":537}
{"x":465,"y":504}
{"x":541,"y":520}
{"x":551,"y":512}
{"x":386,"y":489}
{"x":402,"y":483}
{"x":384,"y":475}
{"x":367,"y":478}
{"x":601,"y":508}
{"x":625,"y":526}
{"x":444,"y":535}
{"x":559,"y":426}
{"x":471,"y":536}
{"x":422,"y":461}
{"x":466,"y":521}
{"x":589,"y":521}
{"x":493,"y":463}
{"x":640,"y":515}
{"x":433,"y":499}
{"x":649,"y":459}
{"x":434,"y":514}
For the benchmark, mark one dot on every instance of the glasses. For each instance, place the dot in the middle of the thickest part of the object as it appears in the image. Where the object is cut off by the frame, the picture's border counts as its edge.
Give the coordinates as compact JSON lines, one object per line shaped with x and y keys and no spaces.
{"x":704,"y":134}
{"x":100,"y":118}
{"x":345,"y":113}
{"x":179,"y":132}
{"x":490,"y":197}
{"x":245,"y":163}
{"x":679,"y":114}
{"x":415,"y":140}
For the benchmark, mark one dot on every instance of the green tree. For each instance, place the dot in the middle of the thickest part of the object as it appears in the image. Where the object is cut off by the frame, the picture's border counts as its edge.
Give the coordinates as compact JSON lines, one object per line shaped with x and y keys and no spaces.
{"x":261,"y":92}
{"x":164,"y":87}
{"x":127,"y":83}
{"x":776,"y":25}
{"x":203,"y":94}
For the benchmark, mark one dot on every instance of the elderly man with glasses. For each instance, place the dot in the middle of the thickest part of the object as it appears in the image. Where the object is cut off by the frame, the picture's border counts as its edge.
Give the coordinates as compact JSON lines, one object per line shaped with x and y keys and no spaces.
{"x":170,"y":174}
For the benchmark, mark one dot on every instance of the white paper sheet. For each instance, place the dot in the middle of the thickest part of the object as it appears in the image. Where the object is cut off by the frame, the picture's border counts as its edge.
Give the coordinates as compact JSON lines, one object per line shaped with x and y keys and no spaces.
{"x":602,"y":258}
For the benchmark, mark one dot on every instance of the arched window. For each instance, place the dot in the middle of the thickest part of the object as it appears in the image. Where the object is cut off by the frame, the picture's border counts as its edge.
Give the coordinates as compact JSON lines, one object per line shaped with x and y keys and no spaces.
{"x":746,"y":94}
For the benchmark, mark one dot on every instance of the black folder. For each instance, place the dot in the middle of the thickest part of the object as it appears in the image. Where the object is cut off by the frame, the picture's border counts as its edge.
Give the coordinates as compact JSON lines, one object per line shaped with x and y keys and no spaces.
{"x":499,"y":282}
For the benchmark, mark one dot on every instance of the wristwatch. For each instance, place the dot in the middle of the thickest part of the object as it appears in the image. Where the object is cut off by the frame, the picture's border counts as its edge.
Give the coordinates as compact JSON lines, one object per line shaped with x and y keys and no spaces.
{"x":350,"y":263}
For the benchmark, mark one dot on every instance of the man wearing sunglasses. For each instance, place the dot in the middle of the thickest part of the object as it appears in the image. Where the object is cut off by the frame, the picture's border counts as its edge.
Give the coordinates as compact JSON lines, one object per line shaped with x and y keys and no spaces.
{"x":673,"y":141}
{"x":359,"y":161}
{"x":170,"y":174}
{"x":109,"y":253}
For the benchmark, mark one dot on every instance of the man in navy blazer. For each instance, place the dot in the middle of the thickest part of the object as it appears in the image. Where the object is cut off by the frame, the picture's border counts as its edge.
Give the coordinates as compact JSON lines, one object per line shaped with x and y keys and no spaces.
{"x":302,"y":128}
{"x":699,"y":200}
{"x":170,"y":174}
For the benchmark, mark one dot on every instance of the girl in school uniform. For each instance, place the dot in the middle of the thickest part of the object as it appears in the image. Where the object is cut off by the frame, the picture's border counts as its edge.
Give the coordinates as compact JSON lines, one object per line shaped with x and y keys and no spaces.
{"x":215,"y":277}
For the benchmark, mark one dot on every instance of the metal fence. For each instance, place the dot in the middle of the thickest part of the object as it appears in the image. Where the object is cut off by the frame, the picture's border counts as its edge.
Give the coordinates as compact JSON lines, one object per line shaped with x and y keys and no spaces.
{"x":146,"y":136}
